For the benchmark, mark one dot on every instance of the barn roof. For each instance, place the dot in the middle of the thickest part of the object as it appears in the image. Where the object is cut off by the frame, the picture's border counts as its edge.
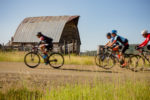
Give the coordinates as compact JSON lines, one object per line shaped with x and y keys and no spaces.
{"x":51,"y":26}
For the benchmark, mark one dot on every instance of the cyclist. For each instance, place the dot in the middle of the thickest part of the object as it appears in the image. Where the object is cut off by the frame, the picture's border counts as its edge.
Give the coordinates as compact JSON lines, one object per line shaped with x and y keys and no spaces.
{"x":116,"y":46}
{"x":147,"y":36}
{"x":124,"y":43}
{"x":109,"y":37}
{"x":45,"y":44}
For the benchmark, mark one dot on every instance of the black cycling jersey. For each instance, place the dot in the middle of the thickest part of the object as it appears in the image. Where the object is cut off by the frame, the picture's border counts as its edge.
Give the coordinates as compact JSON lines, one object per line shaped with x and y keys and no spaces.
{"x":46,"y":40}
{"x":121,"y":39}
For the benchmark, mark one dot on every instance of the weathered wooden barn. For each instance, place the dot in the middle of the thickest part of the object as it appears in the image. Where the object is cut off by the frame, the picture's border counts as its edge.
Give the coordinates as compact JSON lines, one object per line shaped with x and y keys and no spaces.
{"x":63,"y":30}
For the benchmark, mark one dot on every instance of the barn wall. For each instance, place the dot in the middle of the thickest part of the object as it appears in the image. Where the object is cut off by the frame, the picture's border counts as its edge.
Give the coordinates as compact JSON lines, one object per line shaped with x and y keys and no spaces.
{"x":67,"y":37}
{"x":70,"y":35}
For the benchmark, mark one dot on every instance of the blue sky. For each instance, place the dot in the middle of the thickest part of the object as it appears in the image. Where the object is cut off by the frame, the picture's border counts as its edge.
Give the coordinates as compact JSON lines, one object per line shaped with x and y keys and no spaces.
{"x":98,"y":17}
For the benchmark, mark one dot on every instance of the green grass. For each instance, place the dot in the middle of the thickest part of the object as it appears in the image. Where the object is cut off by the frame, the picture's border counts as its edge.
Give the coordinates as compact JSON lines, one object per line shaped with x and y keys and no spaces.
{"x":12,"y":56}
{"x":72,"y":60}
{"x":16,"y":56}
{"x":79,"y":60}
{"x":98,"y":91}
{"x":21,"y":94}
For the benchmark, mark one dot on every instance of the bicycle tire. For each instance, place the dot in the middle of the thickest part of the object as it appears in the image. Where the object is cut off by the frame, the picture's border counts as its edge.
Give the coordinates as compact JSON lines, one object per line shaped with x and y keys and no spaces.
{"x":34,"y":62}
{"x":141,"y":63}
{"x":146,"y":58}
{"x":59,"y":59}
{"x":98,"y":59}
{"x":110,"y":62}
{"x":132,"y":62}
{"x":105,"y":61}
{"x":136,"y":63}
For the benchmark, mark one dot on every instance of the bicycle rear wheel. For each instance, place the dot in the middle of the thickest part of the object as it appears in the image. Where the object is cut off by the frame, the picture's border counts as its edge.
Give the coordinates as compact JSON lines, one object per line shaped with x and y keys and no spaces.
{"x":32,"y":59}
{"x":56,"y":60}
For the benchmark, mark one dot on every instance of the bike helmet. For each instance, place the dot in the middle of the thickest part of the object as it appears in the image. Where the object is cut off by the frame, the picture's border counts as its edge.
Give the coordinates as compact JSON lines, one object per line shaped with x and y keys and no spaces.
{"x":144,"y":32}
{"x":108,"y":34}
{"x":114,"y":31}
{"x":39,"y":33}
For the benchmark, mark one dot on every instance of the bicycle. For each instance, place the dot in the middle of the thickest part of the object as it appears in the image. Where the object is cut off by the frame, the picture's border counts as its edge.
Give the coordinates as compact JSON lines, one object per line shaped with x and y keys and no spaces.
{"x":33,"y":58}
{"x":108,"y":59}
{"x":143,"y":59}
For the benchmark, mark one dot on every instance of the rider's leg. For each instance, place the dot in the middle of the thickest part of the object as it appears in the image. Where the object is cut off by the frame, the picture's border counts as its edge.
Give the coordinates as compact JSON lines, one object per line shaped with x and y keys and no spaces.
{"x":42,"y":48}
{"x":45,"y":56}
{"x":122,"y":55}
{"x":116,"y":50}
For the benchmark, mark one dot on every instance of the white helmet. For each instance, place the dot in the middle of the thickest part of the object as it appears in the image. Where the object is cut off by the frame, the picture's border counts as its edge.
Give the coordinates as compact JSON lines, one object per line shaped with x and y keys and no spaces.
{"x":144,"y":32}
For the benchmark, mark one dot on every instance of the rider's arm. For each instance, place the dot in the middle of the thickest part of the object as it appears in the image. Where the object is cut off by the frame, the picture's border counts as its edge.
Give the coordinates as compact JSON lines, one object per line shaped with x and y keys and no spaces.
{"x":41,"y":40}
{"x":113,"y":43}
{"x":39,"y":43}
{"x":107,"y":44}
{"x":145,"y":42}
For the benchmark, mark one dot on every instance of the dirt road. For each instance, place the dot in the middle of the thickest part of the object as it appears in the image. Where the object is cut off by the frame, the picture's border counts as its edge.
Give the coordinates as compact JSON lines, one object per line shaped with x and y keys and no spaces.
{"x":12,"y":73}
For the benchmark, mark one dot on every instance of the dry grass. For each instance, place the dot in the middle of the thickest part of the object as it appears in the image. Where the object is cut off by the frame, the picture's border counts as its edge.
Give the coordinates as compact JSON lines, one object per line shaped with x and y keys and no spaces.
{"x":98,"y":91}
{"x":72,"y":60}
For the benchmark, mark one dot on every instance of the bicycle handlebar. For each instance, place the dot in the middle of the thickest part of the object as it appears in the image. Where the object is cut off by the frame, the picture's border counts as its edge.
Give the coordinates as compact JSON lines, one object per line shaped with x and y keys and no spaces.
{"x":107,"y":48}
{"x":35,"y":48}
{"x":139,"y":48}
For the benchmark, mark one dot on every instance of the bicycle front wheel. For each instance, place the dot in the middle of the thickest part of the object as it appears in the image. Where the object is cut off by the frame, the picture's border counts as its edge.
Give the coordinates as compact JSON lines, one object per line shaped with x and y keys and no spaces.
{"x":109,"y":62}
{"x":32,"y":59}
{"x":56,"y":60}
{"x":132,"y":62}
{"x":105,"y":61}
{"x":98,"y":60}
{"x":141,"y":64}
{"x":136,"y":63}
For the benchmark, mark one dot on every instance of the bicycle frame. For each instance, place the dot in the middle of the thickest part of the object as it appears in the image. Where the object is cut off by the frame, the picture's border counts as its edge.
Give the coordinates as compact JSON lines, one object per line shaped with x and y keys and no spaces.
{"x":38,"y":51}
{"x":111,"y":52}
{"x":142,"y":54}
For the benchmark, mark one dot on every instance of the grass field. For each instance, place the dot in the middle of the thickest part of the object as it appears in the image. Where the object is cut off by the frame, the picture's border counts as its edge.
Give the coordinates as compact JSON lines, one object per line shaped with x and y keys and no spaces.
{"x":98,"y":91}
{"x":72,"y":60}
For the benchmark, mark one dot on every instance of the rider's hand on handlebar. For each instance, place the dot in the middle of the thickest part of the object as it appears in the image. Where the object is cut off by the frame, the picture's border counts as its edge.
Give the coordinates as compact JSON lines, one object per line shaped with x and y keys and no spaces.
{"x":105,"y":46}
{"x":137,"y":47}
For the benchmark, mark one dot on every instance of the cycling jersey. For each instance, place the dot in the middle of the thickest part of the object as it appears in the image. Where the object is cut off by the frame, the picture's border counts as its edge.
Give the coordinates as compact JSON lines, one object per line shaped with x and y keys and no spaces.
{"x":146,"y":41}
{"x":123,"y":41}
{"x":112,"y":39}
{"x":120,"y":39}
{"x":47,"y":41}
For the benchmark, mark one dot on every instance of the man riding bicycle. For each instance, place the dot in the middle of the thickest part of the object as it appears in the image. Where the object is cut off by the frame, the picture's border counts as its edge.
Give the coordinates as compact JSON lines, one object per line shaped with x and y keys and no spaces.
{"x":45,"y":44}
{"x":109,"y":37}
{"x":123,"y":41}
{"x":147,"y":36}
{"x":115,"y":46}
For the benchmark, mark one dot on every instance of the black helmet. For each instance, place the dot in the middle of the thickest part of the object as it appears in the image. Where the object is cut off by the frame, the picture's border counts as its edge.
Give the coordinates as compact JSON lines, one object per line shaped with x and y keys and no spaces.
{"x":39,"y":34}
{"x":108,"y":34}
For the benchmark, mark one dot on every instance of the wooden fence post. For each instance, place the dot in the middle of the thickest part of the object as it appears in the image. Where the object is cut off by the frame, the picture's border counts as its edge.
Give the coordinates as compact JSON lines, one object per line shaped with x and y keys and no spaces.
{"x":68,"y":49}
{"x":64,"y":47}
